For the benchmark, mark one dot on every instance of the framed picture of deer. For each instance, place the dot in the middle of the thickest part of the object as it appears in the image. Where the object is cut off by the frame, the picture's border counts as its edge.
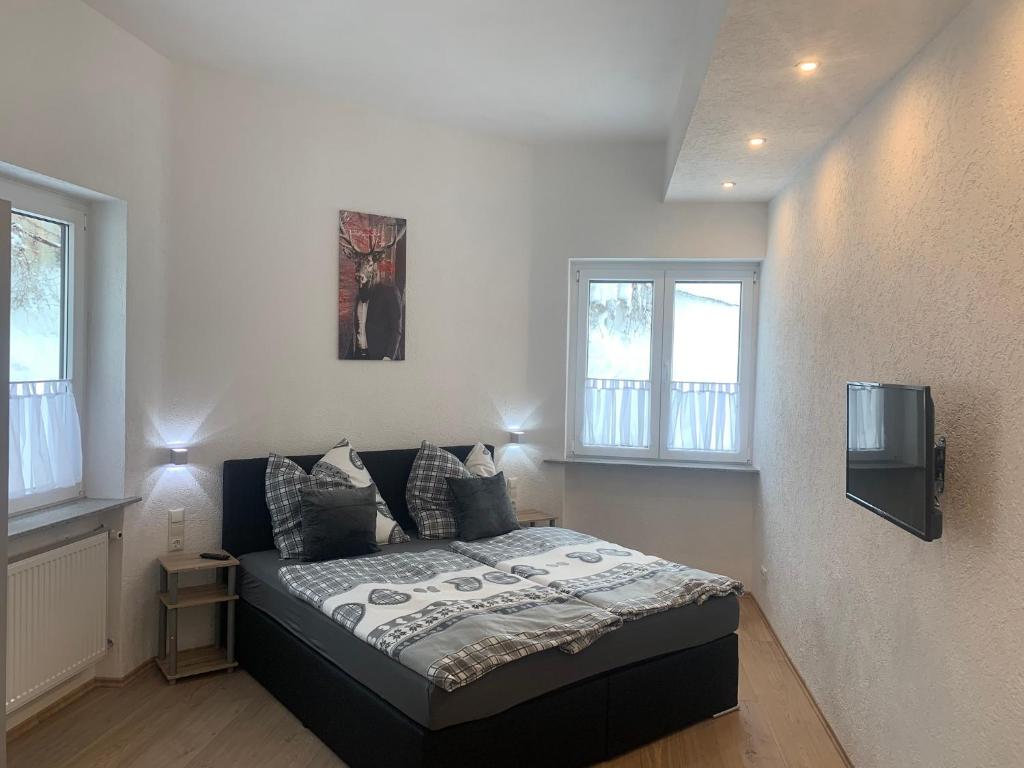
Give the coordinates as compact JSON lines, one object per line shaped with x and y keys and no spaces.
{"x":371,"y":287}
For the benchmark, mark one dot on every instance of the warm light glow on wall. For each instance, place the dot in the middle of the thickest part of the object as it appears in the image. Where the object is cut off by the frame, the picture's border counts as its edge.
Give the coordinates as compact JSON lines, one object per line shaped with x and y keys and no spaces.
{"x":757,"y":141}
{"x":728,"y":184}
{"x":808,"y":66}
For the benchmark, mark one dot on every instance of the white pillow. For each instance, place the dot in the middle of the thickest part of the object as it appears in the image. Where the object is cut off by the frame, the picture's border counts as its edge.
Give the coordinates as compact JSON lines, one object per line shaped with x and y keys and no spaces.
{"x":345,"y":458}
{"x":480,"y":463}
{"x":388,"y":531}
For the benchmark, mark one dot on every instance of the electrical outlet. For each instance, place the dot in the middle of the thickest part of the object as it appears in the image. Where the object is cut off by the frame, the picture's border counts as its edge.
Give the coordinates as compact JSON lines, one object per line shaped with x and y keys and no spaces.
{"x":175,"y":530}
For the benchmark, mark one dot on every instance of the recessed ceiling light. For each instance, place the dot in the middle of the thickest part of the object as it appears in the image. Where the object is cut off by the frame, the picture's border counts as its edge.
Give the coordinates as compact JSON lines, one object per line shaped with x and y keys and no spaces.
{"x":808,"y":66}
{"x":728,"y":184}
{"x":757,"y":141}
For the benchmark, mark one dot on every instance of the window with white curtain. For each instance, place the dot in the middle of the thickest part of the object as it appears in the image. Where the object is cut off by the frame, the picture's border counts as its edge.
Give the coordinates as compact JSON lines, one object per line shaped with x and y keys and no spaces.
{"x":866,"y":419}
{"x":45,"y":451}
{"x":662,"y":360}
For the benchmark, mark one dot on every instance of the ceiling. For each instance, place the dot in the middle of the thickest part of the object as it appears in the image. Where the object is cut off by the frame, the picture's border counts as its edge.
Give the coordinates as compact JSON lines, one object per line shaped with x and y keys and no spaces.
{"x":752,"y":87}
{"x":527,"y":69}
{"x":704,"y":75}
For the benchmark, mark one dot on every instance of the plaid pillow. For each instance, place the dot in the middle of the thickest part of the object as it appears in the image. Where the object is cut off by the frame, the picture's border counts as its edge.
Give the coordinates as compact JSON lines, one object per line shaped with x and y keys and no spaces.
{"x":284,"y":483}
{"x":430,"y":501}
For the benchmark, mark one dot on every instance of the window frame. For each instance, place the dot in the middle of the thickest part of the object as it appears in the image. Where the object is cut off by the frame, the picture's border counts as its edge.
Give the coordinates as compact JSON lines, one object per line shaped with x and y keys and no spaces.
{"x":665,"y":274}
{"x":29,"y":200}
{"x":618,"y":274}
{"x":746,"y":277}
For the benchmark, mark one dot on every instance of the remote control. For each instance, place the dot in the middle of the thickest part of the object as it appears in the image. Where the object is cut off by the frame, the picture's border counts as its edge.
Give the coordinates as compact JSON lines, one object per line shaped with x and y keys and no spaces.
{"x":214,"y":556}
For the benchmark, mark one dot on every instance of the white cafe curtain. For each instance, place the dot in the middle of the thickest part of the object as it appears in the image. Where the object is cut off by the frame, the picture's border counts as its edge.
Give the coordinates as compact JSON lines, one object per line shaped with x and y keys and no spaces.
{"x":45,"y":438}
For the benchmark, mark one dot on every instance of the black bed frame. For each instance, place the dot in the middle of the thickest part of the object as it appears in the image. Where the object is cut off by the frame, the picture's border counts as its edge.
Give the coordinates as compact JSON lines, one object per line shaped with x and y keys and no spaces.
{"x":579,"y":724}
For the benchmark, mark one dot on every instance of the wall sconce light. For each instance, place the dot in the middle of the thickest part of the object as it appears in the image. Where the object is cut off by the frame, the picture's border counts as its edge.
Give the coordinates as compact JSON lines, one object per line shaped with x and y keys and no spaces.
{"x":515,"y":436}
{"x":179,"y":456}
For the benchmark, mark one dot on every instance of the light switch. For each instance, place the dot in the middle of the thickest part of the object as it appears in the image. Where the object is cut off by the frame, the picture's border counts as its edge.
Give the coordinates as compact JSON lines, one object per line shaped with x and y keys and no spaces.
{"x":176,"y":516}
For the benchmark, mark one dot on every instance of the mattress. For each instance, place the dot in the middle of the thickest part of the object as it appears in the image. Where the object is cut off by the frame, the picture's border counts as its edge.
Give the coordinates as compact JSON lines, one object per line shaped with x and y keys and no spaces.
{"x":501,"y":689}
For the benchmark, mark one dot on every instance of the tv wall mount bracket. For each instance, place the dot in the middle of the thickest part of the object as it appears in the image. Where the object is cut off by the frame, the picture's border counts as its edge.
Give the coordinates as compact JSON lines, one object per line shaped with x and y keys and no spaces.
{"x":940,"y":465}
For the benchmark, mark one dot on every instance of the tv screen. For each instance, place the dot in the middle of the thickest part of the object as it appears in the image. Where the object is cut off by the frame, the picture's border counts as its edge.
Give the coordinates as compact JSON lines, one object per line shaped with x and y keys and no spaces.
{"x":890,"y":455}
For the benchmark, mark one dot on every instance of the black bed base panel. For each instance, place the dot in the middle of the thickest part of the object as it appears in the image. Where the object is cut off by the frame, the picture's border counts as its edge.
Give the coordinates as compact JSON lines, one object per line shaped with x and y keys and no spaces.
{"x":657,"y":697}
{"x":578,"y":725}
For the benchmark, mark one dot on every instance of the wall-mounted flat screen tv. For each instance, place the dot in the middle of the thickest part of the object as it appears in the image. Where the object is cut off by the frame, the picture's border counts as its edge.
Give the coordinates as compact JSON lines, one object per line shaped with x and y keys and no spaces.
{"x":891,"y":455}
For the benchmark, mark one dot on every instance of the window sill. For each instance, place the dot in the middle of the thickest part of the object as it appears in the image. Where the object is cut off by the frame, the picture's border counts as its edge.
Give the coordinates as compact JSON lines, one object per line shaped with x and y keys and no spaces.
{"x":48,"y":517}
{"x":715,"y":467}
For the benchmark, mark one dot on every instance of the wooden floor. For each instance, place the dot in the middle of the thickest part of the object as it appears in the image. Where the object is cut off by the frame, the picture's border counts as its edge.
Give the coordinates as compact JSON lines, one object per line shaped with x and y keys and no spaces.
{"x":229,"y":720}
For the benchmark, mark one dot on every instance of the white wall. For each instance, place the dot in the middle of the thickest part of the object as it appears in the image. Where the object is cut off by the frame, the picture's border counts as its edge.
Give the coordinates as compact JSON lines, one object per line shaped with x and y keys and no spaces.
{"x":107,"y":304}
{"x":897,"y":256}
{"x":704,"y":518}
{"x":259,"y":176}
{"x":86,"y":102}
{"x":233,"y":190}
{"x":603,"y":200}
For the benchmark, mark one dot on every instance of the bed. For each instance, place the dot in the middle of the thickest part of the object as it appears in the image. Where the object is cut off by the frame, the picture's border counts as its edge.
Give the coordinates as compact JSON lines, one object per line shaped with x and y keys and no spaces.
{"x":636,"y":684}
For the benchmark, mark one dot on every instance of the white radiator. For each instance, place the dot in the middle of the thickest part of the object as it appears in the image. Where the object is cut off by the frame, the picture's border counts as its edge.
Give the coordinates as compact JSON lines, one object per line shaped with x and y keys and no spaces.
{"x":56,"y":616}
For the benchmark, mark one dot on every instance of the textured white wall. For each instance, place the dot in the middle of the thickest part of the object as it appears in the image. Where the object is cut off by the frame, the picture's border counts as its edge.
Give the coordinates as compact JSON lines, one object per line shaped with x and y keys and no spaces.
{"x":897,"y":256}
{"x":603,"y":200}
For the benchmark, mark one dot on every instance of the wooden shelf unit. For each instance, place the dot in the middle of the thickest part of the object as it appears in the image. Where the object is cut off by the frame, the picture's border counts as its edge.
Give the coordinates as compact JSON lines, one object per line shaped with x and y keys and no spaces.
{"x":531,"y":517}
{"x":177,"y":664}
{"x":197,"y":661}
{"x":204,"y":594}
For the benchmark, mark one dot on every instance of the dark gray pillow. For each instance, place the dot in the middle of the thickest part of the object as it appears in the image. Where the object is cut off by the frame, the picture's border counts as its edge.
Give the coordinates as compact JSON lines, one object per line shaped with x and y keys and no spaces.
{"x":482,"y":507}
{"x":338,"y":522}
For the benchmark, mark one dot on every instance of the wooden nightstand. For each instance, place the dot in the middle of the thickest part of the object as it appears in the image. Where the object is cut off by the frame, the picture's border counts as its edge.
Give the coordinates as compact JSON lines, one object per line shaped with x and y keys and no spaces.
{"x":528,"y":518}
{"x":195,"y":661}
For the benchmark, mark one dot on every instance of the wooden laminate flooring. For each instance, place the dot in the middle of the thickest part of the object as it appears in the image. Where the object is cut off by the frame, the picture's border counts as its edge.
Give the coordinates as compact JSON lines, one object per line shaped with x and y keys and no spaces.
{"x":230,"y":720}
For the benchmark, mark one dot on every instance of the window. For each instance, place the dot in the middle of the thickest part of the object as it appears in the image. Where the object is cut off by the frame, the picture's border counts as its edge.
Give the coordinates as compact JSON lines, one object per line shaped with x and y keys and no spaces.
{"x":39,"y":259}
{"x":866,"y":420}
{"x":662,"y":361}
{"x":45,"y":434}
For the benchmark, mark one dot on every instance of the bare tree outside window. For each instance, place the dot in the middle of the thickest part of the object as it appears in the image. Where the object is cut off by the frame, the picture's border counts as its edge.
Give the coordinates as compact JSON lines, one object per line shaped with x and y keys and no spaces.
{"x":38,"y":254}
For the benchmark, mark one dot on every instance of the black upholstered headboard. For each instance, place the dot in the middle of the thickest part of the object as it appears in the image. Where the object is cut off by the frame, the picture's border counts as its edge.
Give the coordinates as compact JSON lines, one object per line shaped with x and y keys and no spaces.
{"x":246,"y":521}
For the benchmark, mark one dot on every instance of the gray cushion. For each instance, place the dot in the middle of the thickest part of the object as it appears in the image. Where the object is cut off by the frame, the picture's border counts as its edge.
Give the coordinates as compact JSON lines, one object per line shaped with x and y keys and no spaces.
{"x":482,"y":507}
{"x":339,"y":522}
{"x":284,"y":481}
{"x":346,"y":459}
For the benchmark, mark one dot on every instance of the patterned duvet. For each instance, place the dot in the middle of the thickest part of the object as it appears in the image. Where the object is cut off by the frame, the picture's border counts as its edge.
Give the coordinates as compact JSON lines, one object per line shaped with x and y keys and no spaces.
{"x":621,"y":581}
{"x":443,"y":615}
